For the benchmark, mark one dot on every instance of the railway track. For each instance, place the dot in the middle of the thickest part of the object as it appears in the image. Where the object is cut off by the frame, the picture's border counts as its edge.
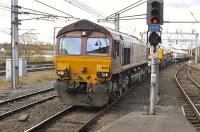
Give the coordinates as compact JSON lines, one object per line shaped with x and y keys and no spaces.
{"x":16,"y":104}
{"x":191,"y":91}
{"x":74,"y":118}
{"x":71,"y":118}
{"x":24,"y":96}
{"x":32,"y":68}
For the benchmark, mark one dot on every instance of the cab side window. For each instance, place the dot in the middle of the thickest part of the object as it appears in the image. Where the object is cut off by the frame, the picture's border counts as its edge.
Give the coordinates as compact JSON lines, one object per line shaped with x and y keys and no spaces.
{"x":115,"y":49}
{"x":126,"y":57}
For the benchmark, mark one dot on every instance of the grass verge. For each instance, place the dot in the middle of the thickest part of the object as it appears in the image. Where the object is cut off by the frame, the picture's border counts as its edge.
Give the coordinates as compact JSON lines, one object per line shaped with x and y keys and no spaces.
{"x":30,"y":79}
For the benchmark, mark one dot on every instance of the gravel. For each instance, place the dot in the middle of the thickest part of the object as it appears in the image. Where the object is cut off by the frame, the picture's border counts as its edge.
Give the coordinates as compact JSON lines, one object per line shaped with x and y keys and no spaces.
{"x":36,"y":114}
{"x":194,"y":75}
{"x":10,"y":93}
{"x":72,"y":122}
{"x":170,"y":95}
{"x":22,"y":102}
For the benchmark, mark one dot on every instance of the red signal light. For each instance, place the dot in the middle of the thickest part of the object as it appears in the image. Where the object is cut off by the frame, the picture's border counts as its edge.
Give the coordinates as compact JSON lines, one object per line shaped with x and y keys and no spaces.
{"x":154,"y":20}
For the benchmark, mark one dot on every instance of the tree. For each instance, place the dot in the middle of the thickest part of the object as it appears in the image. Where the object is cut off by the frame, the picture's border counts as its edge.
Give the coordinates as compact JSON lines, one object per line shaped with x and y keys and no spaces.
{"x":25,"y":50}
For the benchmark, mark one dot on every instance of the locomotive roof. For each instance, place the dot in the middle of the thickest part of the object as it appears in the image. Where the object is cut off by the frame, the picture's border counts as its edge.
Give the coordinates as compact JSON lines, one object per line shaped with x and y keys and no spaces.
{"x":88,"y":25}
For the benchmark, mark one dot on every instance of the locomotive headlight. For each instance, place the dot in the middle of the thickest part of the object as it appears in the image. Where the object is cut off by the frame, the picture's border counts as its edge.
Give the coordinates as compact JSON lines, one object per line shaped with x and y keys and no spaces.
{"x":60,"y":73}
{"x":102,"y":74}
{"x":84,"y":34}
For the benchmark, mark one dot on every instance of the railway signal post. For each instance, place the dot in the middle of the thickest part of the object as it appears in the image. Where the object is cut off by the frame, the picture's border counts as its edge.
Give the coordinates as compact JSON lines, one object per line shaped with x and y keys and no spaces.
{"x":154,"y":21}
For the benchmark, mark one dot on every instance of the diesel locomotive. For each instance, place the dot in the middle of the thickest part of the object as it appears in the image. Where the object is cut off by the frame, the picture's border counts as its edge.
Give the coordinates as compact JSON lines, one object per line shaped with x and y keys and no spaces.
{"x":96,"y":64}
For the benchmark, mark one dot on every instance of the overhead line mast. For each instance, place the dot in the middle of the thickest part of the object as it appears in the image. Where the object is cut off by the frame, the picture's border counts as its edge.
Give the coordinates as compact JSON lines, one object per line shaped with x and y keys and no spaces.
{"x":14,"y":44}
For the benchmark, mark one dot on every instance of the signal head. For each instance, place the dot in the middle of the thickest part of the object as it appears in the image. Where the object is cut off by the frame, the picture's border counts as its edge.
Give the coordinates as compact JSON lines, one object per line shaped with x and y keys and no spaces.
{"x":155,"y":12}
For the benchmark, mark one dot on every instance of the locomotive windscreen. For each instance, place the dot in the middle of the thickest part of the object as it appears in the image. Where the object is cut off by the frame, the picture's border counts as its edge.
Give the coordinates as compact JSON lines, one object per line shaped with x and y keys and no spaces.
{"x":70,"y":46}
{"x":97,"y":46}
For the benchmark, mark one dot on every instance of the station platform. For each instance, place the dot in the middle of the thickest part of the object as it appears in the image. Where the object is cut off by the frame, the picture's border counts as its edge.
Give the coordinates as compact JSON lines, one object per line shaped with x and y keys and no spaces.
{"x":139,"y":122}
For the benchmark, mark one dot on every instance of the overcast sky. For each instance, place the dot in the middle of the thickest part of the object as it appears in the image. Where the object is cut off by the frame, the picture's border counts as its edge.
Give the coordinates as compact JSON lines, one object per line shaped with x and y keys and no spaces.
{"x":174,"y":10}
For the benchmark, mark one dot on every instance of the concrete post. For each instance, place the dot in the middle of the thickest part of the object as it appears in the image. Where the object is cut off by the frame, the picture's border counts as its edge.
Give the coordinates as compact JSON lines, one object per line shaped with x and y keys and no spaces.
{"x":14,"y":44}
{"x":196,"y":49}
{"x":117,"y":21}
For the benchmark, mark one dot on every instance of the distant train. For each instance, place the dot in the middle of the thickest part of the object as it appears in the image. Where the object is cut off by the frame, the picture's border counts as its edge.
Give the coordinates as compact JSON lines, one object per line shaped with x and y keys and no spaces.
{"x":166,"y":57}
{"x":179,"y":57}
{"x":96,"y":64}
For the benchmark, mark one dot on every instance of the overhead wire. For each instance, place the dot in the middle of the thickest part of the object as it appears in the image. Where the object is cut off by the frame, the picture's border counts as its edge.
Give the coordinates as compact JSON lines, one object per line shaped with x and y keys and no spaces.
{"x":33,"y":10}
{"x":44,"y":15}
{"x":50,"y":15}
{"x":4,"y":9}
{"x":136,"y":4}
{"x":133,"y":7}
{"x":4,"y":4}
{"x":190,"y":10}
{"x":28,"y":11}
{"x":132,"y":16}
{"x":54,"y":8}
{"x":89,"y":8}
{"x":37,"y":18}
{"x":86,"y":8}
{"x":26,"y":32}
{"x":4,"y":32}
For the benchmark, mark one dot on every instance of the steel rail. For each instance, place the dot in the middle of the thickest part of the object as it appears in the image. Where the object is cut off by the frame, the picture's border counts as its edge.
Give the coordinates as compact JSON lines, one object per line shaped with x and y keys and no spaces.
{"x":4,"y":115}
{"x":197,"y":84}
{"x":196,"y":72}
{"x":33,"y":65}
{"x":3,"y":72}
{"x":50,"y":119}
{"x":24,"y":96}
{"x":192,"y":105}
{"x":40,"y":68}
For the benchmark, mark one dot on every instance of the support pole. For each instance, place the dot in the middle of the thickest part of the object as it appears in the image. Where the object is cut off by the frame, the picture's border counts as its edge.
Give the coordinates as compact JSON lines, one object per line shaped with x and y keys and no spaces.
{"x":153,"y":82}
{"x":54,"y":36}
{"x":196,"y":49}
{"x":191,"y":52}
{"x":14,"y":44}
{"x":197,"y":54}
{"x":117,"y":21}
